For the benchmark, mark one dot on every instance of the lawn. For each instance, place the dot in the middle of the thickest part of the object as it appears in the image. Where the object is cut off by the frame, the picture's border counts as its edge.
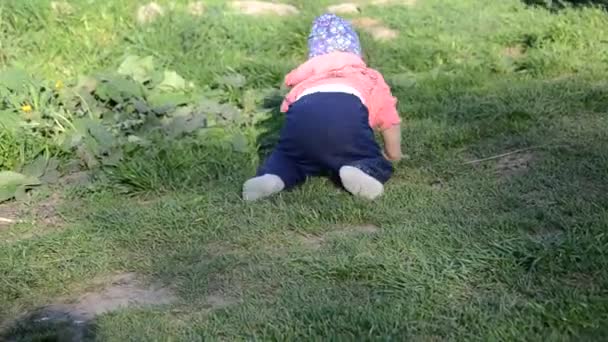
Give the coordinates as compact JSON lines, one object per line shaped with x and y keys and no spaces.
{"x":132,"y":141}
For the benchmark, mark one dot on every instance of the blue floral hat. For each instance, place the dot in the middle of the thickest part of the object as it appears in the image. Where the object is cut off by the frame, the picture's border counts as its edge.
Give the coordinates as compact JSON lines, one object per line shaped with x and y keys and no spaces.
{"x":331,"y":33}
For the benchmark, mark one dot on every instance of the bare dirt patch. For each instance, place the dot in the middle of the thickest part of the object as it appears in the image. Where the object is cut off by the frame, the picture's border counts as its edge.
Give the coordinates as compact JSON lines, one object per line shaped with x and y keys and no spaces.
{"x":61,"y":8}
{"x":69,"y":319}
{"x":375,"y":28}
{"x":514,"y":51}
{"x":366,"y":22}
{"x":217,"y":249}
{"x":344,"y":8}
{"x":9,"y":214}
{"x":394,"y":2}
{"x":45,"y":212}
{"x":368,"y":229}
{"x":196,"y":8}
{"x":387,"y":2}
{"x":149,"y":13}
{"x":538,"y":199}
{"x":43,"y":215}
{"x":117,"y":292}
{"x":218,"y":300}
{"x":547,"y":236}
{"x":78,"y":178}
{"x":122,"y":291}
{"x":258,"y":8}
{"x":311,"y":241}
{"x":316,"y":242}
{"x":582,"y":281}
{"x":514,"y":164}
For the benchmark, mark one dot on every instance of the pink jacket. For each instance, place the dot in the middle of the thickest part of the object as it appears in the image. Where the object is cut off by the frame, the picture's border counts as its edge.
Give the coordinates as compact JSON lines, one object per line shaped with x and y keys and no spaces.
{"x":350,"y":70}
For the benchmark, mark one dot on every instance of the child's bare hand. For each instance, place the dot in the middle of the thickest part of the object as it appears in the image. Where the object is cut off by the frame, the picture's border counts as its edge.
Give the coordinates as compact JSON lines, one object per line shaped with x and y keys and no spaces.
{"x":392,"y":143}
{"x":393,"y":158}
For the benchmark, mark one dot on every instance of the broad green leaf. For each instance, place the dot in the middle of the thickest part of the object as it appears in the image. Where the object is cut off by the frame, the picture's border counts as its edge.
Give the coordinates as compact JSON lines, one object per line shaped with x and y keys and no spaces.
{"x":224,"y":111}
{"x":81,"y":125}
{"x":69,"y":99}
{"x":51,"y":174}
{"x":71,"y":139}
{"x":134,"y":139}
{"x":126,"y":87}
{"x":138,"y":68}
{"x":37,"y":167}
{"x":88,"y":157}
{"x":53,"y":164}
{"x":93,"y":146}
{"x":184,"y":111}
{"x":101,"y":134}
{"x":239,"y":143}
{"x":113,"y":158}
{"x":233,"y":80}
{"x":167,"y":101}
{"x":77,"y":177}
{"x":118,"y":89}
{"x":9,"y":120}
{"x":185,"y":124}
{"x":88,"y":104}
{"x":11,"y":181}
{"x":155,"y":79}
{"x":141,"y":106}
{"x":14,"y":79}
{"x":86,"y":84}
{"x":105,"y":92}
{"x":21,"y":194}
{"x":171,"y":81}
{"x":50,"y":177}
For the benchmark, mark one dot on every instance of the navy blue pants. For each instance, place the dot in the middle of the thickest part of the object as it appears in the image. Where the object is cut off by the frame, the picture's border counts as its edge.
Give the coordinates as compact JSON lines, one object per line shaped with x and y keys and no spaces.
{"x":322,"y":133}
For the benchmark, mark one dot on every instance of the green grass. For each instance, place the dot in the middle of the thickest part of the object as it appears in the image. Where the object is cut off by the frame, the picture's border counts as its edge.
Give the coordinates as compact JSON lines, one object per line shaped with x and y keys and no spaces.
{"x":463,"y":252}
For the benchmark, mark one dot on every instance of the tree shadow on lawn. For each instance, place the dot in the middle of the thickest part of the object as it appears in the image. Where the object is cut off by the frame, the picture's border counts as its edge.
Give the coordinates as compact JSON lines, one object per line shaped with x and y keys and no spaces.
{"x":270,"y":127}
{"x":49,"y":325}
{"x":546,"y":209}
{"x":560,"y":4}
{"x":542,"y":224}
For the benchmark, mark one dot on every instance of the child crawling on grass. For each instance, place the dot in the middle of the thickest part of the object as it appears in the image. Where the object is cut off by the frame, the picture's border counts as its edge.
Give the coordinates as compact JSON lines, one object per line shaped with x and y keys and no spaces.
{"x":335,"y":104}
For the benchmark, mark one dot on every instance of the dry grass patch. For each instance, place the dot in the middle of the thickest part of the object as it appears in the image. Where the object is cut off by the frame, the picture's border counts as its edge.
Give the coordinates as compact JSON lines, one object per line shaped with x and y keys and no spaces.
{"x":259,"y":8}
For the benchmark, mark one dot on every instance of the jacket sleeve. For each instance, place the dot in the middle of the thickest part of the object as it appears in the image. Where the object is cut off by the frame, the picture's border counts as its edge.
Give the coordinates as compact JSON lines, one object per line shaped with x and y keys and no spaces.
{"x":285,"y":105}
{"x":294,"y":77}
{"x":299,"y":74}
{"x":384,"y":105}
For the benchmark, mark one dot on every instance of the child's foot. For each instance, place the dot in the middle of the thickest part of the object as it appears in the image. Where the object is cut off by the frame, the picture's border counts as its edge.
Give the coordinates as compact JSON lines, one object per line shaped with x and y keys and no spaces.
{"x":359,"y":183}
{"x":263,"y":186}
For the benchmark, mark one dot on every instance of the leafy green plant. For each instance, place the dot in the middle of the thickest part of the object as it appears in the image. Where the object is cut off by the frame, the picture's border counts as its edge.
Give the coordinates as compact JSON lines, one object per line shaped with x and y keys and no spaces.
{"x":13,"y":184}
{"x":42,"y":170}
{"x":96,"y":116}
{"x":97,"y":119}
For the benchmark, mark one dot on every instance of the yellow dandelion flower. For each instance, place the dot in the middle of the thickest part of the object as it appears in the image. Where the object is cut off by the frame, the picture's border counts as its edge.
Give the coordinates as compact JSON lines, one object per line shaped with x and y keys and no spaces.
{"x":26,"y":108}
{"x":58,"y":85}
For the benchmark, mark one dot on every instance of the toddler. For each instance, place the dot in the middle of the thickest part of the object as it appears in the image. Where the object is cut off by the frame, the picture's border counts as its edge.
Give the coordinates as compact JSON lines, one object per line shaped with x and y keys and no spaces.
{"x":334,"y":105}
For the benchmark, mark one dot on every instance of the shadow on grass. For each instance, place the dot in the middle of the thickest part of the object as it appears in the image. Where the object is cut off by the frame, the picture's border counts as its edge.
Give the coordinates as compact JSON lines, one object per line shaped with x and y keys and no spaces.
{"x":558,"y":4}
{"x":270,"y":127}
{"x":544,"y":213}
{"x":49,"y":325}
{"x":529,"y":228}
{"x":536,"y":220}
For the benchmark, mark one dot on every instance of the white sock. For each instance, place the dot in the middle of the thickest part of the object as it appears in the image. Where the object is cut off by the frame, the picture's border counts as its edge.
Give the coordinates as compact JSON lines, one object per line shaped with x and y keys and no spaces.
{"x":262,"y":186}
{"x":360,"y":183}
